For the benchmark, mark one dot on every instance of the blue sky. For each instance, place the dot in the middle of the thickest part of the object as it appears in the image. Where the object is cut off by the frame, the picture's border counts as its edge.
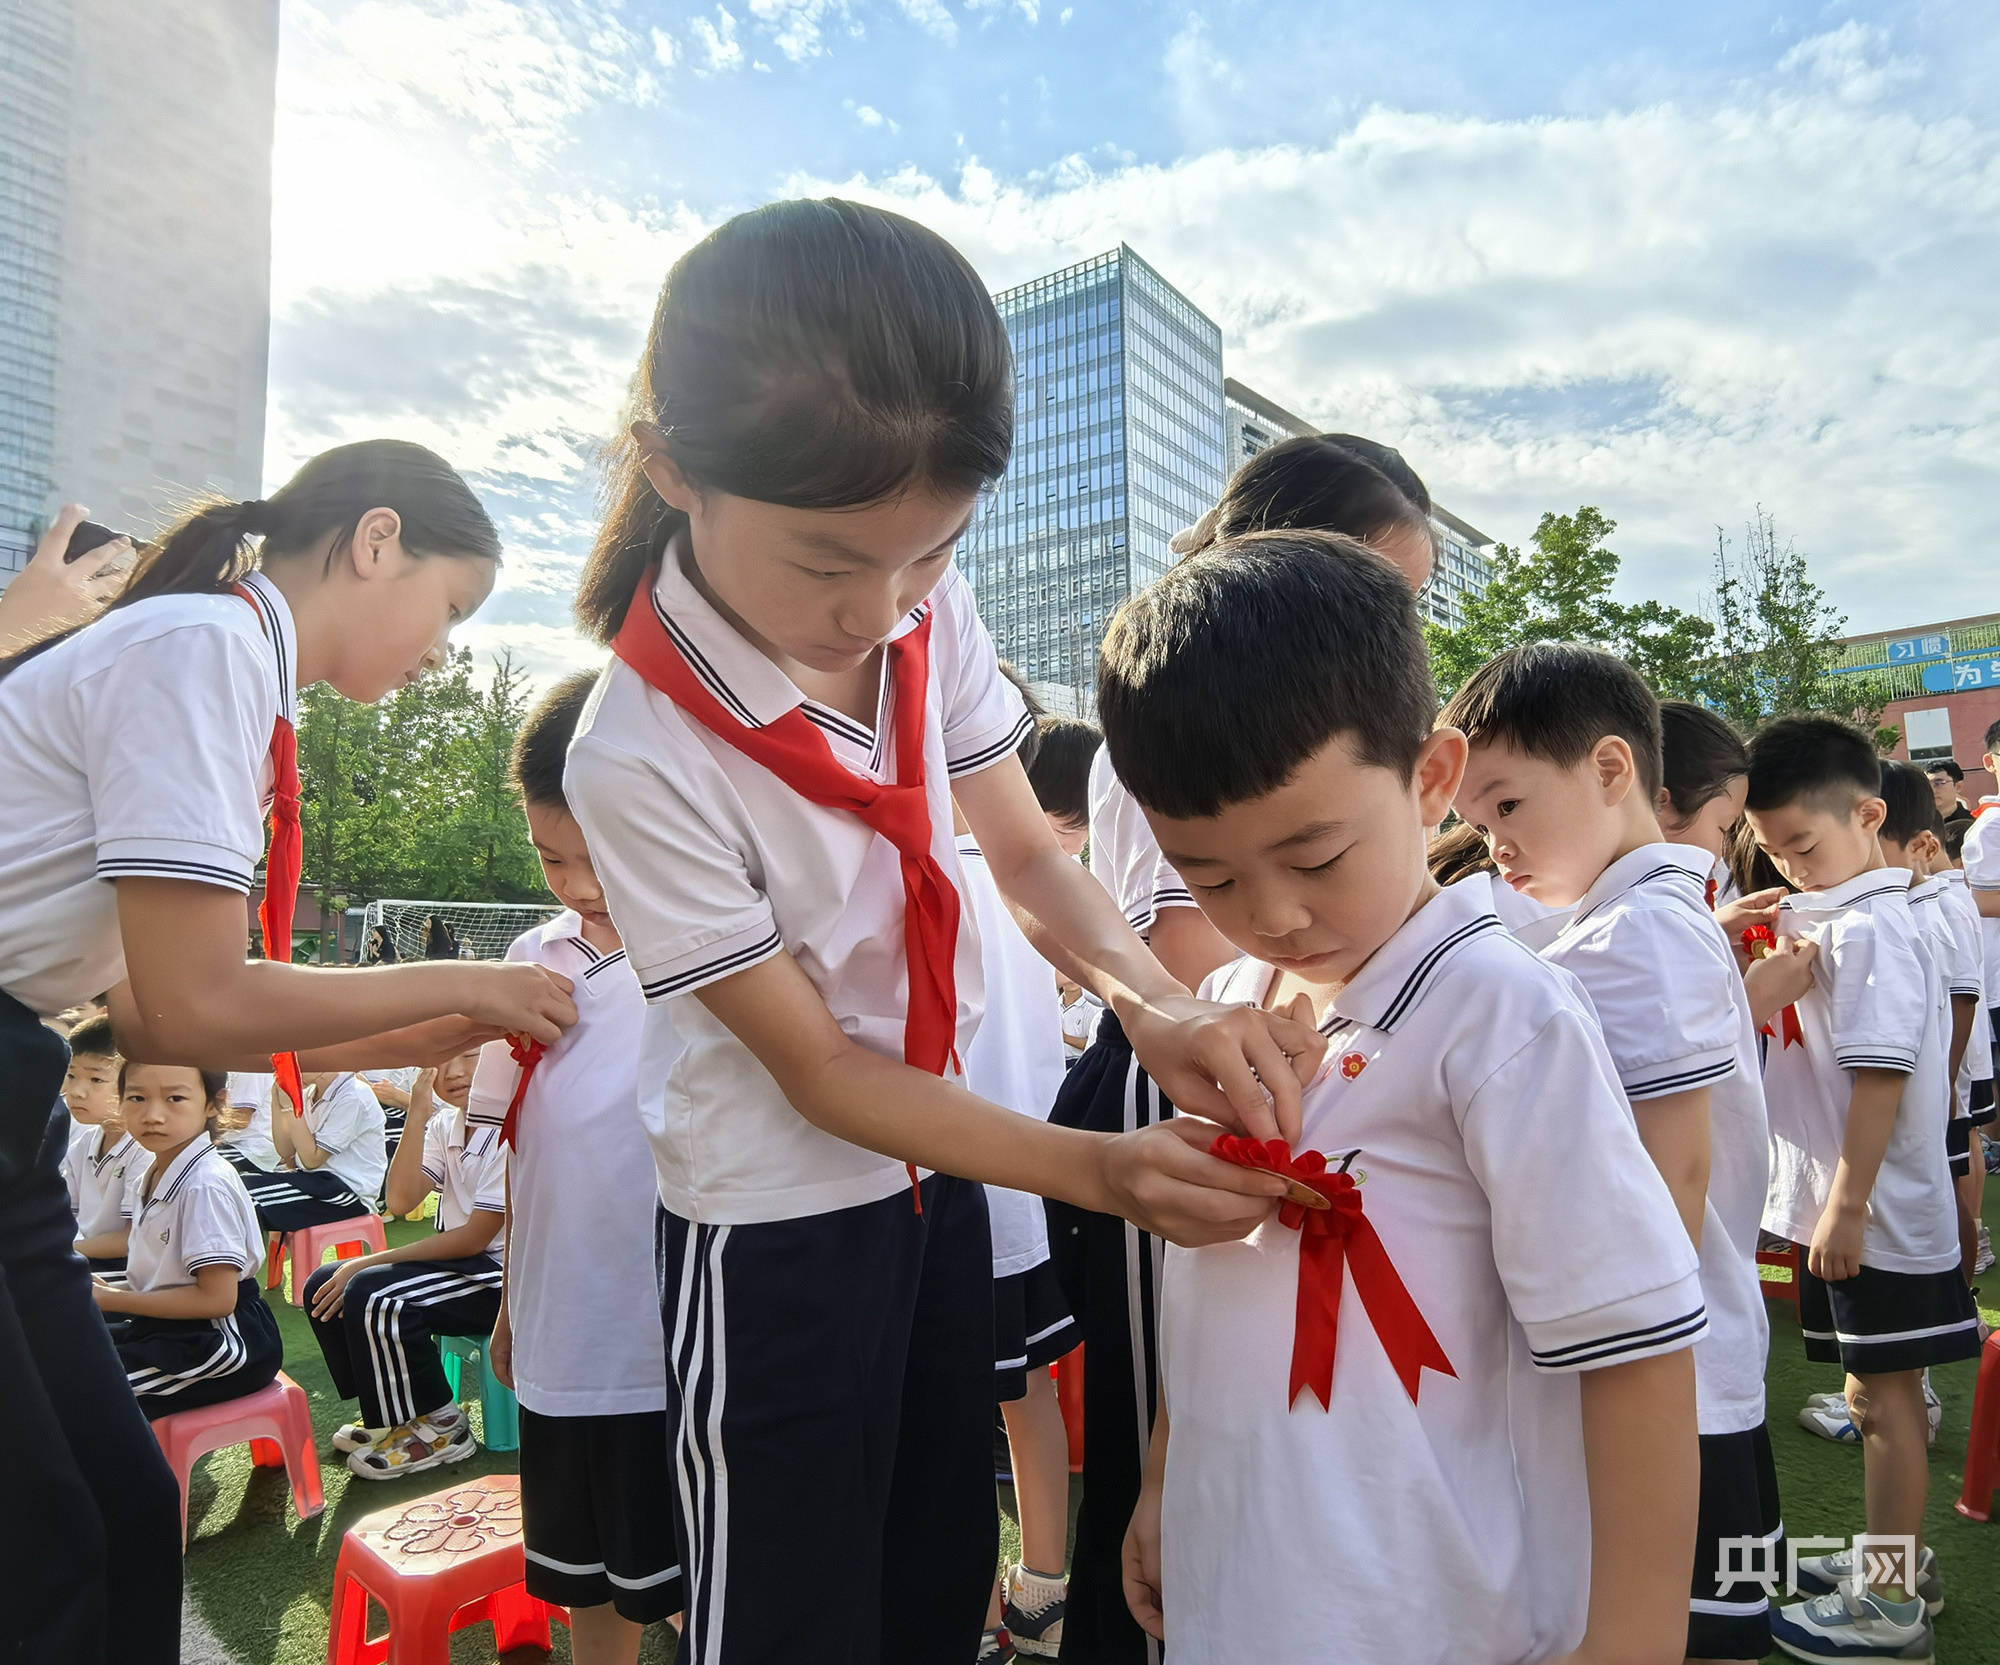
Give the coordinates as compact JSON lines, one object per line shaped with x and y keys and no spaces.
{"x":1675,"y":262}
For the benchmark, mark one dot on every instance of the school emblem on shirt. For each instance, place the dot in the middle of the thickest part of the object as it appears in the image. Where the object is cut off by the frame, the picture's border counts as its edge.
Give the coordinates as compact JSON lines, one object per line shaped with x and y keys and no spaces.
{"x":1352,"y":1065}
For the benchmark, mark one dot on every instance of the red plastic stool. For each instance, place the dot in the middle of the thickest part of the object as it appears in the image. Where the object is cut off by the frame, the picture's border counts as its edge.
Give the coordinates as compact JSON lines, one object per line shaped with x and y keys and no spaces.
{"x":1786,"y":1288}
{"x":1069,"y":1395}
{"x":1982,"y":1451}
{"x":275,"y":1422}
{"x":436,"y":1565}
{"x":349,"y":1240}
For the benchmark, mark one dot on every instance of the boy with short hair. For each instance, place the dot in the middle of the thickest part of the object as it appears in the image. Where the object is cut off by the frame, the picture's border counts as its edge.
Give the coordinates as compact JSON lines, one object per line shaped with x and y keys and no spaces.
{"x":1500,"y":1461}
{"x":578,"y":1337}
{"x":103,"y":1159}
{"x":1859,"y":1172}
{"x":1060,"y":774}
{"x":1563,"y":775}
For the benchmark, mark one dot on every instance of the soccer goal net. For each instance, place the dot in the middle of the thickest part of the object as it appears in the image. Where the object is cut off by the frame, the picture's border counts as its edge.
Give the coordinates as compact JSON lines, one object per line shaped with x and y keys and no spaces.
{"x":464,"y":930}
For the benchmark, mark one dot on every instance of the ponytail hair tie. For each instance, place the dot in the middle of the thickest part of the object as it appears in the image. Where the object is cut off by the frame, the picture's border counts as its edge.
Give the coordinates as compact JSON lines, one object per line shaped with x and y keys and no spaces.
{"x":253,"y":516}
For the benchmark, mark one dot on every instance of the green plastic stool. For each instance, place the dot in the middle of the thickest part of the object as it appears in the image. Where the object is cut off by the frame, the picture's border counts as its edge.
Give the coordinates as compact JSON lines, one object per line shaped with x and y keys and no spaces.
{"x":464,"y":1360}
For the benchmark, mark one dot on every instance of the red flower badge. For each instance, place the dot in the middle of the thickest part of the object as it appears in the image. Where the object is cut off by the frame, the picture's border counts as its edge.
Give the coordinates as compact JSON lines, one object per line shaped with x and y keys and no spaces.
{"x":1352,"y":1065}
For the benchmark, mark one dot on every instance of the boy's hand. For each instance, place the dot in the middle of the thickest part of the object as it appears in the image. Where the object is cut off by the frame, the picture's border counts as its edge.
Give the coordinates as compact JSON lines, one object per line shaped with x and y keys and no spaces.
{"x":423,"y":1092}
{"x":1142,"y":1562}
{"x":1782,"y":976}
{"x":1238,"y":1065}
{"x":1835,"y":1253}
{"x":1163,"y":1180}
{"x":500,"y":1350}
{"x":328,"y":1301}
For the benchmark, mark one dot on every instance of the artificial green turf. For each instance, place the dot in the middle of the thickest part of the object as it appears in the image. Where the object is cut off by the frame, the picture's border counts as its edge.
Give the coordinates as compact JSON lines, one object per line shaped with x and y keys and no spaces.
{"x":259,"y":1579}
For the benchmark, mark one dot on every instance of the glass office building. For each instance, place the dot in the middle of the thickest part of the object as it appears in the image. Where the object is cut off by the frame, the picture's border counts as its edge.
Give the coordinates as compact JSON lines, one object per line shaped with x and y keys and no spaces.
{"x":1118,"y":445}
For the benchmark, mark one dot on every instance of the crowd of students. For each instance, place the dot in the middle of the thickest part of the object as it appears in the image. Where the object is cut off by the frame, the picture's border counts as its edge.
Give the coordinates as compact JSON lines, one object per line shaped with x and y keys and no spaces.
{"x":1413,"y":1252}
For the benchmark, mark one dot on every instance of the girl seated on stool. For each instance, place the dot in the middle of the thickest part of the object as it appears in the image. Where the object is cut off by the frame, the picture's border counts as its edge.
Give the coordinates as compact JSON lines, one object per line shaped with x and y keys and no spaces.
{"x":190,"y":1323}
{"x":377,"y":1318}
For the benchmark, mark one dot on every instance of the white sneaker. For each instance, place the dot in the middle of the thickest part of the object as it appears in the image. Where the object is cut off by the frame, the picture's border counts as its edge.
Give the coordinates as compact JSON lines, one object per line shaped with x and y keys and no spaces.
{"x":356,"y":1436}
{"x":1033,"y":1612}
{"x":414,"y":1447}
{"x":1933,"y":1411}
{"x":1820,"y":1575}
{"x":1983,"y":1260}
{"x":1830,"y":1422}
{"x":1854,"y":1625}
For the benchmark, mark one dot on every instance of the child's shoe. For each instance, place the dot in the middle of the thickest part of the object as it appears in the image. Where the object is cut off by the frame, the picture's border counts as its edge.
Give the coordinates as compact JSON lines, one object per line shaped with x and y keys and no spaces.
{"x":1034,"y":1612}
{"x":995,"y":1647}
{"x":1983,"y":1260}
{"x":355,"y":1436}
{"x":1857,"y":1627}
{"x":1933,"y":1411}
{"x":429,"y":1442}
{"x":1826,"y":1415}
{"x":1820,"y":1575}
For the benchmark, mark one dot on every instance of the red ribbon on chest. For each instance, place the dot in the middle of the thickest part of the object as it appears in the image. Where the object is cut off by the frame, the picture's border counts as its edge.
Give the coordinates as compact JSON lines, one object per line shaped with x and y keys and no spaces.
{"x":1333,"y":1241}
{"x":527,"y":1054}
{"x":1758,"y":941}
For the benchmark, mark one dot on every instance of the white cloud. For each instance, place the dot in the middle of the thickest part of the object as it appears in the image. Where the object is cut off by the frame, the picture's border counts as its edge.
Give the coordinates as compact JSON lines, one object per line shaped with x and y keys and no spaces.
{"x":665,"y":52}
{"x":717,"y":39}
{"x":869,"y":116}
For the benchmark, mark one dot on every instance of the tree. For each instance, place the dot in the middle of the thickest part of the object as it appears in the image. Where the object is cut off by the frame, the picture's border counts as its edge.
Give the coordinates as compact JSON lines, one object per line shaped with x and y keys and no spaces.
{"x":1559,"y":590}
{"x":1777,"y":638}
{"x":411,"y":797}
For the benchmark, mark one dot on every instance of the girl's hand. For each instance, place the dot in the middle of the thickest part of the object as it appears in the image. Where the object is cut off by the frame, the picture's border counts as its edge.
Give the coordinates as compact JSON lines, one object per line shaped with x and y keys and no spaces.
{"x":521,"y":998}
{"x":441,"y":1039}
{"x":1760,"y":907}
{"x":500,"y":1350}
{"x":1142,"y":1563}
{"x":331,"y":1294}
{"x":1163,"y":1180}
{"x":51,"y":593}
{"x":1780,"y":977}
{"x":1238,"y":1065}
{"x":1834,"y":1255}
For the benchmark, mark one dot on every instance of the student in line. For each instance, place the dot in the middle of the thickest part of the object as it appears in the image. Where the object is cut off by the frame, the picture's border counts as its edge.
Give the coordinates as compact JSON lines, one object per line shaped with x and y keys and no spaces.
{"x":103,"y":1157}
{"x":138,"y":753}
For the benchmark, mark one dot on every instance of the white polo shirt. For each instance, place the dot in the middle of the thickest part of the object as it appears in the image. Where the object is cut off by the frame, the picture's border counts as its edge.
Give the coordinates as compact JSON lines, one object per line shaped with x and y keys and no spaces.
{"x":95,"y":1168}
{"x":1669,"y":998}
{"x":138,"y":747}
{"x":253,"y":1139}
{"x":1875,"y":1003}
{"x":580,"y":1286}
{"x":1507,"y":1184}
{"x":346,"y":1123}
{"x":467,"y":1165}
{"x":1125,"y":856}
{"x":1969,"y":977}
{"x":199,"y":1215}
{"x":1981,"y":856}
{"x":1016,"y":1059}
{"x":712,"y":864}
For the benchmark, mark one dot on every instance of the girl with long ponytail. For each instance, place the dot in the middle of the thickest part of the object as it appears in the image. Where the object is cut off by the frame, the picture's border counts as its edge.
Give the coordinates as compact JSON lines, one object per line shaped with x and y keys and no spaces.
{"x":137,"y":754}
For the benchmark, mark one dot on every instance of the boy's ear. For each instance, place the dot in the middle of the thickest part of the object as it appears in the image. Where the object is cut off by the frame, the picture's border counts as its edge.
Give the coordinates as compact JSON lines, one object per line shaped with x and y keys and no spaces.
{"x":1617,"y":770}
{"x":1439,"y":773}
{"x":1872,"y":812}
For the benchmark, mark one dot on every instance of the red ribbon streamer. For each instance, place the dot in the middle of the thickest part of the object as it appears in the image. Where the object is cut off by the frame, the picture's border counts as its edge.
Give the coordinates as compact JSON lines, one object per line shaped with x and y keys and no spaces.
{"x":797,"y":753}
{"x":527,"y":1054}
{"x":1331,"y":1241}
{"x":282,"y":864}
{"x":1762,"y":936}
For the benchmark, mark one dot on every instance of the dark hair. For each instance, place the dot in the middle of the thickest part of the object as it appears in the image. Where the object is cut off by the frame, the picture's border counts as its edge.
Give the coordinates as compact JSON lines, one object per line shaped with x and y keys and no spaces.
{"x":1911,"y":808}
{"x":381,"y":947}
{"x":1750,"y":869}
{"x":1556,"y":701}
{"x":1992,"y":739}
{"x":542,"y":744}
{"x":1031,"y":740}
{"x":208,"y":548}
{"x":1945,"y":766}
{"x":214,"y":1092}
{"x":1319,"y":483}
{"x":1954,"y":838}
{"x":93,"y":1038}
{"x":1822,"y":759}
{"x":1459,"y":852}
{"x":819,"y":355}
{"x":440,"y":941}
{"x":1216,"y":683}
{"x":1060,"y":773}
{"x":1700,"y":754}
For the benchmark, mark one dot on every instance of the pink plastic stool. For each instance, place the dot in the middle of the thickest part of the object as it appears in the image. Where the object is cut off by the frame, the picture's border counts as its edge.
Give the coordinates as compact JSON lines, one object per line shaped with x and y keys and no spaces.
{"x":1982,"y":1451}
{"x":273,"y":1419}
{"x":436,"y":1565}
{"x":348,"y":1239}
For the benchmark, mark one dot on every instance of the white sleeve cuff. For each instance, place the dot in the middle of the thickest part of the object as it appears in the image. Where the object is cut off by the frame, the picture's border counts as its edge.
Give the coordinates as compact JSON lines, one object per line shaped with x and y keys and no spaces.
{"x":718,"y":957}
{"x":1678,"y":1075}
{"x":1641,"y":1327}
{"x":984,"y":750}
{"x":174,"y":858}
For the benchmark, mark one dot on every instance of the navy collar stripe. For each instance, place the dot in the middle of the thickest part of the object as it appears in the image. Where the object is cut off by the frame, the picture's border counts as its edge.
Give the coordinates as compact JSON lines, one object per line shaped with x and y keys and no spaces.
{"x":698,"y":662}
{"x":1414,"y":984}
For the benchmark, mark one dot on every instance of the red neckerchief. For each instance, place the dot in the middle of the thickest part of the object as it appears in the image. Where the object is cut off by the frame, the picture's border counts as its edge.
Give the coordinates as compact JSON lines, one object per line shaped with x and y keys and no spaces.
{"x":1332,"y":1240}
{"x":281,"y":867}
{"x":527,"y":1054}
{"x":797,"y":753}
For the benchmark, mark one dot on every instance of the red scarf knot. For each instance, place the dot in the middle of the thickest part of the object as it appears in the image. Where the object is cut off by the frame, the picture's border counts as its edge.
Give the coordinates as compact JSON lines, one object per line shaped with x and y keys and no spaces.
{"x":794,"y":750}
{"x":527,"y":1054}
{"x":1331,"y":1240}
{"x":1759,"y":941}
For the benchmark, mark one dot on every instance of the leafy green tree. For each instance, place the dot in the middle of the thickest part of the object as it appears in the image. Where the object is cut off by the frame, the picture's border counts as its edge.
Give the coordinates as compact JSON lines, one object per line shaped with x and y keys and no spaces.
{"x":1558,"y":589}
{"x":1777,"y":638}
